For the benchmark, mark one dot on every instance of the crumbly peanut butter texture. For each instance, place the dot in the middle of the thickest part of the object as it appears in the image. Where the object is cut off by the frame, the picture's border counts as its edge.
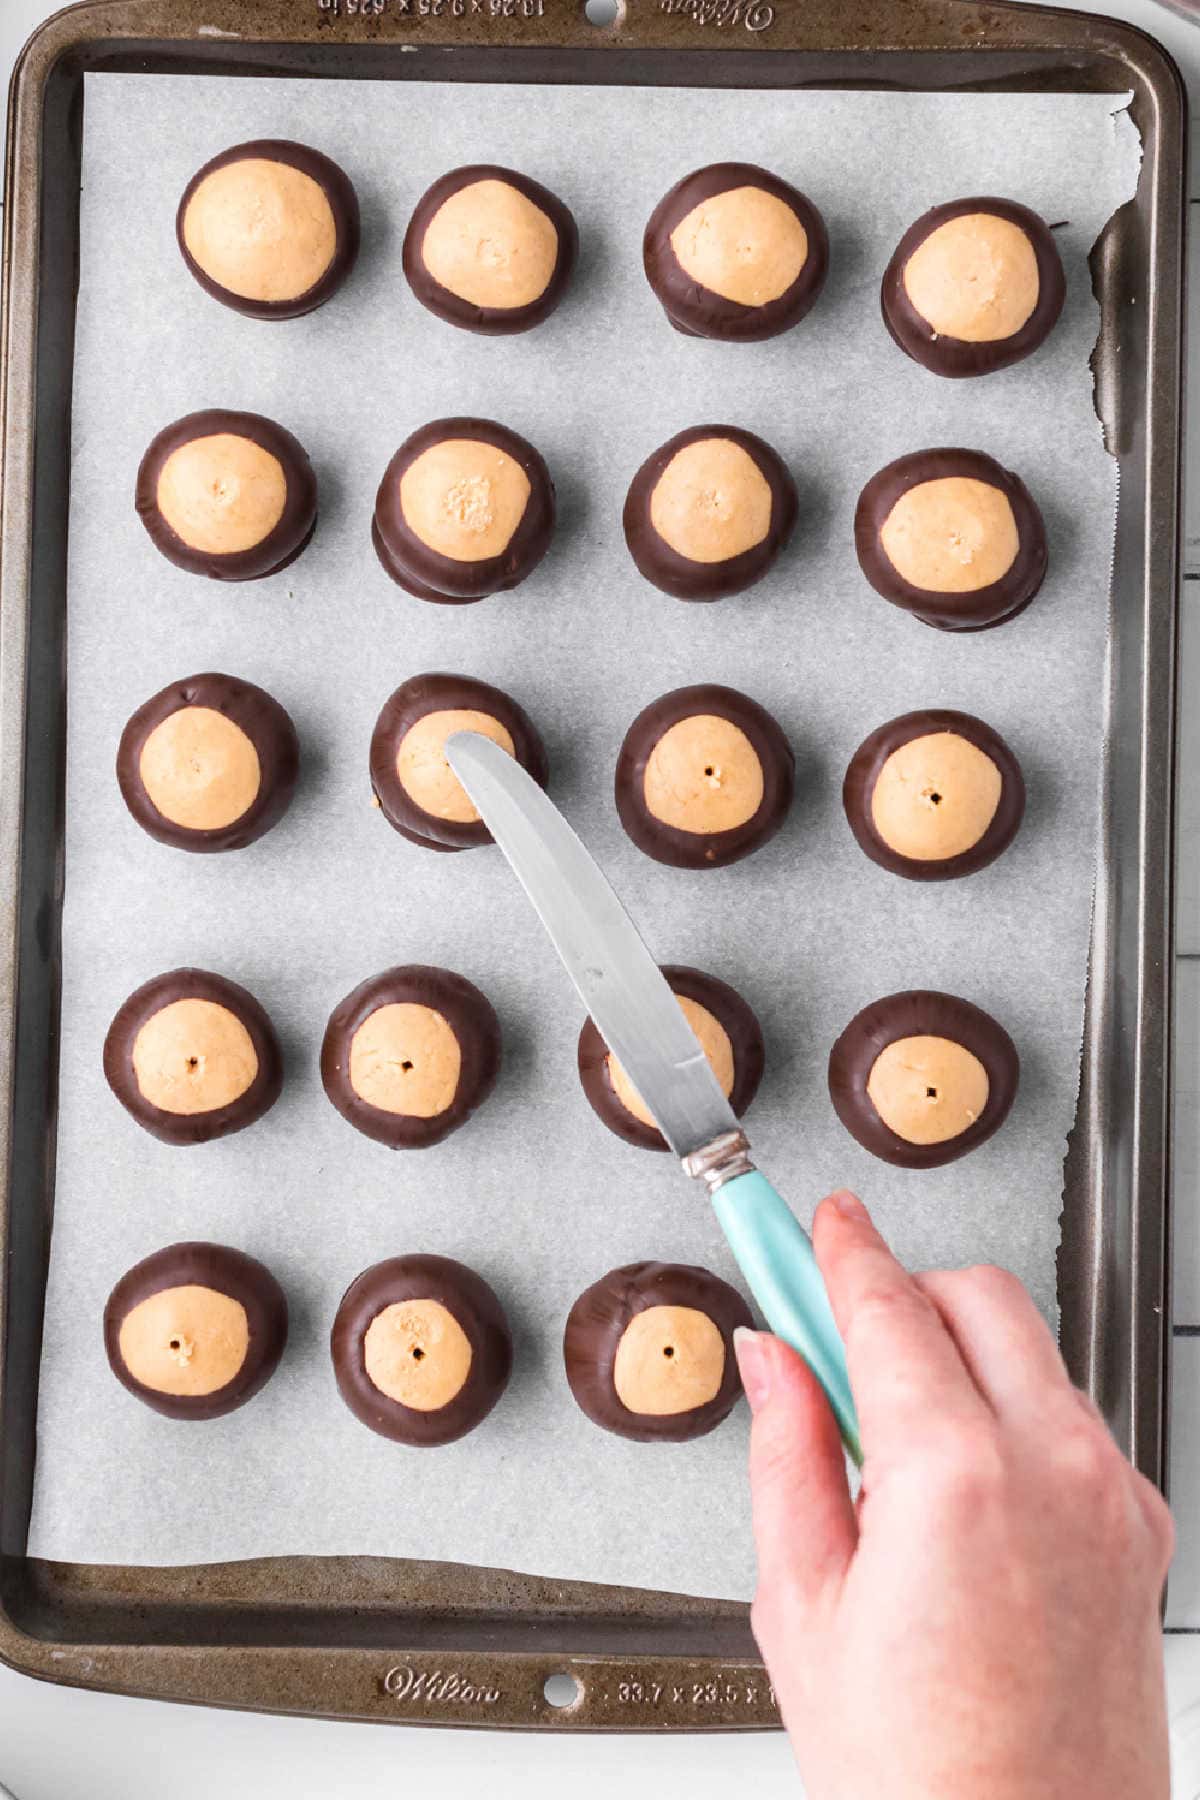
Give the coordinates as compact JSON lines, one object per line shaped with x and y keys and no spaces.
{"x":491,"y":246}
{"x":714,"y":1041}
{"x":953,"y":535}
{"x":974,"y":278}
{"x":746,"y":245}
{"x":935,"y":797}
{"x":260,"y":229}
{"x":426,"y":775}
{"x":193,"y":1056}
{"x":405,"y":1058}
{"x":927,"y":1089}
{"x":711,"y":502}
{"x":703,"y":775}
{"x":199,"y":769}
{"x":221,"y":494}
{"x":417,"y":1353}
{"x":670,"y":1359}
{"x":464,"y":498}
{"x":187,"y":1341}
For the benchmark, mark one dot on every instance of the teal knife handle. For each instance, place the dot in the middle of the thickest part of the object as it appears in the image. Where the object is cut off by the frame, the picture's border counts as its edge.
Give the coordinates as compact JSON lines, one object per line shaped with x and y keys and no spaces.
{"x":775,"y":1255}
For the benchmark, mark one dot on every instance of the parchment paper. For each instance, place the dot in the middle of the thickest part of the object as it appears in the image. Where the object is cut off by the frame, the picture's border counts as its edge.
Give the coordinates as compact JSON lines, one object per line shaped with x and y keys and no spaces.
{"x":535,"y":1193}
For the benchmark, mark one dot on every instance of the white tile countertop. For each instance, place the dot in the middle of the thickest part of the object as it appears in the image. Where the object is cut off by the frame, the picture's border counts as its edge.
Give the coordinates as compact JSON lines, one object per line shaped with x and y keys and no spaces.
{"x":59,"y":1744}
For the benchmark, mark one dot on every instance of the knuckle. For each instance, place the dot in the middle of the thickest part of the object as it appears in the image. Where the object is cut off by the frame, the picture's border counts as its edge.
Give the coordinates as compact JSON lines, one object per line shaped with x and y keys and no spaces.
{"x":964,"y":1467}
{"x":1085,"y":1453}
{"x":992,"y":1282}
{"x":1159,"y":1521}
{"x":888,"y":1307}
{"x":1087,"y":1462}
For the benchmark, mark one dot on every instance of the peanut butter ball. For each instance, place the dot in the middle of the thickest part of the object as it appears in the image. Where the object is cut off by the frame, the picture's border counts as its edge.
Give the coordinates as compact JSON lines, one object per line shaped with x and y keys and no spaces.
{"x":195,"y":1330}
{"x":269,"y":228}
{"x":921,"y":1078}
{"x":410,"y":1054}
{"x":227,"y":494}
{"x":729,"y":1034}
{"x":418,"y":792}
{"x":709,"y":512}
{"x":973,"y":286}
{"x":193,"y":1056}
{"x":421,"y":1349}
{"x":649,"y":1351}
{"x":208,"y":763}
{"x":490,"y":250}
{"x":465,"y":509}
{"x":933,"y":795}
{"x":705,"y":777}
{"x":735,"y":253}
{"x":952,"y":537}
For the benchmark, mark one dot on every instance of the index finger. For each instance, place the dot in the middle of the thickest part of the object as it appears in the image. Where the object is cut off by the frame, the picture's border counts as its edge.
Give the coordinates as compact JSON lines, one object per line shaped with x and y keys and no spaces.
{"x":905,"y":1369}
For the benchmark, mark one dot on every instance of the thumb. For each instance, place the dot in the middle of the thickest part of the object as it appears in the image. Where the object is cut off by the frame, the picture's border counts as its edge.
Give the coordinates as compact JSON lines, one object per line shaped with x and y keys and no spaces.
{"x":805,"y":1529}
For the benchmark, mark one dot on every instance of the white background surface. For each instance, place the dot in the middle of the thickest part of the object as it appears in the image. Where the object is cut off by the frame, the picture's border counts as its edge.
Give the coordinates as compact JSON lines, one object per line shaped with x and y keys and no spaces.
{"x":56,"y":1744}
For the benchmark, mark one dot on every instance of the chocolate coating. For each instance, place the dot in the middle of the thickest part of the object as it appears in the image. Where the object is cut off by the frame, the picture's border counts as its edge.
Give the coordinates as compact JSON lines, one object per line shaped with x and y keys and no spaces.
{"x":731,"y":1012}
{"x":679,"y":575}
{"x":698,"y":311}
{"x":192,"y":1128}
{"x":973,"y":611}
{"x":446,"y":580}
{"x":291,"y":532}
{"x":489,"y":321}
{"x":955,"y":357}
{"x":864,"y":771}
{"x":254,"y":712}
{"x":469,"y":1299}
{"x":919,"y":1013}
{"x":470,"y":1016}
{"x":343,"y":205}
{"x":411,"y":701}
{"x":696,"y":850}
{"x":598,"y":1321}
{"x":228,"y":1272}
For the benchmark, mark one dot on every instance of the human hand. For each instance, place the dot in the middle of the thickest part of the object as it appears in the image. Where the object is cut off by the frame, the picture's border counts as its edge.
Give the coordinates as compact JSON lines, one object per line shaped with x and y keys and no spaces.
{"x":984,"y":1623}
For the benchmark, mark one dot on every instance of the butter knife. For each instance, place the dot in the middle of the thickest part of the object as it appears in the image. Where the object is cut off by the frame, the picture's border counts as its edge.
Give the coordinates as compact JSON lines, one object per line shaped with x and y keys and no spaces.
{"x":644,"y":1027}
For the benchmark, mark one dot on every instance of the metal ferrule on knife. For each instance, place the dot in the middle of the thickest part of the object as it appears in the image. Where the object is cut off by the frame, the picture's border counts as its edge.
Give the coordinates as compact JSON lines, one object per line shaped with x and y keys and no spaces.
{"x":720,"y":1161}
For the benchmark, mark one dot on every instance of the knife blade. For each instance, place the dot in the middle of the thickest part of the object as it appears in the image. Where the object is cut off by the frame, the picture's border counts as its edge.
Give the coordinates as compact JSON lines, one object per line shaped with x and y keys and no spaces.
{"x":618,"y":980}
{"x":643,"y":1025}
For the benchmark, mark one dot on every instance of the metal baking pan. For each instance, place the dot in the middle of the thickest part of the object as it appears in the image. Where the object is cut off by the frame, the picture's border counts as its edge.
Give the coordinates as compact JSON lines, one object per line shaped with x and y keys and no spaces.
{"x":437,"y":1643}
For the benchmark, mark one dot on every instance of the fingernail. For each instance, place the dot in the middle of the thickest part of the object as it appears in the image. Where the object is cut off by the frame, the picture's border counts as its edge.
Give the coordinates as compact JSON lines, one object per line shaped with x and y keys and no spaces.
{"x":848,"y":1205}
{"x":753,"y":1361}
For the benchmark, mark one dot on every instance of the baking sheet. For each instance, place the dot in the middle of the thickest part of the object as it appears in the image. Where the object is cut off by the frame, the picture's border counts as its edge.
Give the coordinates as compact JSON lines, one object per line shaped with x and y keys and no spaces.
{"x":534,"y":1193}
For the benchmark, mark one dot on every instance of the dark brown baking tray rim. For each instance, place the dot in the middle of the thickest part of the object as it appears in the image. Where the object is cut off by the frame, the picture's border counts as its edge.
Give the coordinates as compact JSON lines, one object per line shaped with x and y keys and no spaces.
{"x":328,"y":1636}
